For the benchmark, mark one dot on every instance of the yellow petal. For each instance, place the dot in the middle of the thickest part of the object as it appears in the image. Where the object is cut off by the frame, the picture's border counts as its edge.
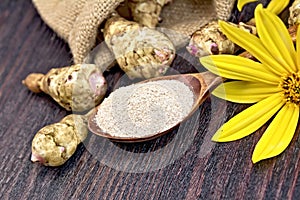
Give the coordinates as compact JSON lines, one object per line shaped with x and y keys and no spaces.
{"x":245,"y":92}
{"x":241,"y":3}
{"x":298,"y":48}
{"x":278,"y":135}
{"x":276,"y":38}
{"x":238,"y":68}
{"x":253,"y":45}
{"x":249,"y":120}
{"x":277,"y":6}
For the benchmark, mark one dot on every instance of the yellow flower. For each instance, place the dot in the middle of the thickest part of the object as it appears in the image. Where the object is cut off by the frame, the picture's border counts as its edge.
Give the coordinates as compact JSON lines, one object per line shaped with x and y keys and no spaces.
{"x":275,"y":6}
{"x":273,"y":84}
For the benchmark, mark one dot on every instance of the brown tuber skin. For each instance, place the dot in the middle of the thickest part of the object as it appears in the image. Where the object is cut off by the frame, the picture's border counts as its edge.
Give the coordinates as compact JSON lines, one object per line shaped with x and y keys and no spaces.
{"x":147,"y":12}
{"x":209,"y":40}
{"x":54,"y":144}
{"x":77,"y":88}
{"x":141,"y":52}
{"x":32,"y":81}
{"x":294,"y":18}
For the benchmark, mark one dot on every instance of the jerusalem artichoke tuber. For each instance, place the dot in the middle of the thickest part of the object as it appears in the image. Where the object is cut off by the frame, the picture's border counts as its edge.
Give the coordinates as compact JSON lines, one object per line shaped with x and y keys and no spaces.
{"x":147,"y":12}
{"x":140,"y":51}
{"x":77,"y":88}
{"x":54,"y":144}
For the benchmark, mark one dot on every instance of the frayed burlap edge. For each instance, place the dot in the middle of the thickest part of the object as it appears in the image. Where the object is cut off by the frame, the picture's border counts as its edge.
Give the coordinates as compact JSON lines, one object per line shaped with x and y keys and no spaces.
{"x":77,"y":21}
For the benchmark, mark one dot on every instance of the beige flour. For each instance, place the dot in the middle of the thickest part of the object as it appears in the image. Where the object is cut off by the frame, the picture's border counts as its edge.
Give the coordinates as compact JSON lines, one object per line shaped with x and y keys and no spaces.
{"x":144,"y":109}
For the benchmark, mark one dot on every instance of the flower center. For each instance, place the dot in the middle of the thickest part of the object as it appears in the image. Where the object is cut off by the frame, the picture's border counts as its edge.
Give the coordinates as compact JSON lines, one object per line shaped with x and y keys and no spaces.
{"x":291,"y":87}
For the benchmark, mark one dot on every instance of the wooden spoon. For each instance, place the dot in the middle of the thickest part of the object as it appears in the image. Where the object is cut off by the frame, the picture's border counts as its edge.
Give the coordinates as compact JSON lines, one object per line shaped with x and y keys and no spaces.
{"x":199,"y":83}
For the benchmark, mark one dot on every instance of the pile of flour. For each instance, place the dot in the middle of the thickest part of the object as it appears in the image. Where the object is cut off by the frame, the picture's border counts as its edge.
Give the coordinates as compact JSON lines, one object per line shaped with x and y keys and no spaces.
{"x":144,"y":109}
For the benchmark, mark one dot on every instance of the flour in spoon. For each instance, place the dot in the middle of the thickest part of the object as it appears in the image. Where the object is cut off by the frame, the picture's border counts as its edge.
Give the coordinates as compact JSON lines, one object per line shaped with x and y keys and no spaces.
{"x":144,"y":109}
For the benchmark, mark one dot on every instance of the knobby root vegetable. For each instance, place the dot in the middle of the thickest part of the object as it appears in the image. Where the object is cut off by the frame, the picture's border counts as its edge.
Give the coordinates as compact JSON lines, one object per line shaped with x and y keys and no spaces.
{"x":209,"y":40}
{"x":54,"y":144}
{"x":147,"y":12}
{"x":294,"y":18}
{"x":77,"y":88}
{"x":140,"y":51}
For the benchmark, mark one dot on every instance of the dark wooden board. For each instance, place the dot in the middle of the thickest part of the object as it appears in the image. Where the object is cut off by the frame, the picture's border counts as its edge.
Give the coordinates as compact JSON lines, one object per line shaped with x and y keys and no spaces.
{"x":184,"y":164}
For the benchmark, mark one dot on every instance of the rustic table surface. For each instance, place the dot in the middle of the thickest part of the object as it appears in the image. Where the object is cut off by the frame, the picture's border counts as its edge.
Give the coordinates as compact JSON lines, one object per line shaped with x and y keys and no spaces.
{"x":183,"y":164}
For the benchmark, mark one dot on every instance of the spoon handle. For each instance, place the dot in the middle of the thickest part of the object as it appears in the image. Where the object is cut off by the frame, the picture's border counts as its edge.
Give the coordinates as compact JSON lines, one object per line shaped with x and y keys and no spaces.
{"x":209,"y":80}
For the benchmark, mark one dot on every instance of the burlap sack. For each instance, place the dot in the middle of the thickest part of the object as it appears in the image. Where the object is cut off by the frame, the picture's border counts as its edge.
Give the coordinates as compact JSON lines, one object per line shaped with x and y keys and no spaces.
{"x":78,"y":21}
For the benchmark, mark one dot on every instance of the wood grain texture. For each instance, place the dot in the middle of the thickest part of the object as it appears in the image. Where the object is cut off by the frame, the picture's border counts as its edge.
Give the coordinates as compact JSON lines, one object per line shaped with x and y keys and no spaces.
{"x":184,"y":164}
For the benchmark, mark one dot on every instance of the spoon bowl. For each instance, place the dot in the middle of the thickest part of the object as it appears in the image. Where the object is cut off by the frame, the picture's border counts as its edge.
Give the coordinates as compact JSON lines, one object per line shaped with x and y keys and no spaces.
{"x":199,"y":84}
